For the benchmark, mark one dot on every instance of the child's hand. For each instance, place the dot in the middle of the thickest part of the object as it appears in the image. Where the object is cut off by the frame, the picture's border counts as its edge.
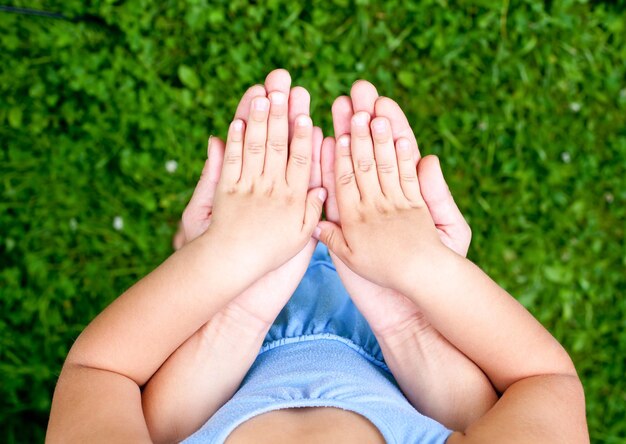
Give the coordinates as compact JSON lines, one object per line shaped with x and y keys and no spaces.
{"x":386,"y":225}
{"x":263,"y":215}
{"x":266,"y":297}
{"x":386,"y":310}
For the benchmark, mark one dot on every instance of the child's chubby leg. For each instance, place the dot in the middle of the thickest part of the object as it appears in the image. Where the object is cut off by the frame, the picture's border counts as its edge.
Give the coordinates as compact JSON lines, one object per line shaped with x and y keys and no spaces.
{"x":388,"y":236}
{"x":435,"y":376}
{"x":206,"y":370}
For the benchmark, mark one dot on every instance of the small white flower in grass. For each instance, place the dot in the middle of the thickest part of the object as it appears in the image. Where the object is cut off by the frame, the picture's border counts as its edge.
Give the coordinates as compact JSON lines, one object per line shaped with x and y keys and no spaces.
{"x":575,"y":106}
{"x":482,"y":125}
{"x":118,"y":223}
{"x":566,"y":157}
{"x":73,"y":224}
{"x":171,"y":166}
{"x":609,"y":197}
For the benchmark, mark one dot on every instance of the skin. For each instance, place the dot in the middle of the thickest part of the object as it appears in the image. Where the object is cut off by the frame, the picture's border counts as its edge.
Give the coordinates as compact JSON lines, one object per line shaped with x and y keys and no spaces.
{"x":234,"y":335}
{"x":386,"y":225}
{"x":410,"y":344}
{"x":450,"y":388}
{"x":98,"y":396}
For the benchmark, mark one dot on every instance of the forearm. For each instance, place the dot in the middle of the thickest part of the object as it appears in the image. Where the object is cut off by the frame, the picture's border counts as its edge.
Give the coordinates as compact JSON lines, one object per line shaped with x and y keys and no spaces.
{"x":201,"y":376}
{"x":436,"y":378}
{"x":141,"y":329}
{"x":96,"y":406}
{"x":484,"y":322}
{"x":546,"y":409}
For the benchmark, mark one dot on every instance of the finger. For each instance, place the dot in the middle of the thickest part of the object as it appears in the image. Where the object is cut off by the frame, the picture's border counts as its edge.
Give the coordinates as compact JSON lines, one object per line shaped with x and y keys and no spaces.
{"x":233,"y":154}
{"x":328,"y":179}
{"x":299,"y":103}
{"x":363,"y":95}
{"x":363,"y":157}
{"x":331,"y":235}
{"x":255,"y":138}
{"x":204,"y":192}
{"x":386,"y":161}
{"x":179,"y":238}
{"x":313,"y":209}
{"x":315,"y":180}
{"x":342,"y":113}
{"x":408,"y":173}
{"x":400,"y":127}
{"x":346,"y":189}
{"x":277,"y":136}
{"x":243,"y":109}
{"x":300,"y":153}
{"x":444,"y":211}
{"x":278,"y":80}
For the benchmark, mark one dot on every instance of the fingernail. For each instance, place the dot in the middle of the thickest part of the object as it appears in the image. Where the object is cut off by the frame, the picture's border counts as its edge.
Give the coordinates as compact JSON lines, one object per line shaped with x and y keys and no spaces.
{"x":360,"y":119}
{"x":403,"y":145}
{"x":237,"y":125}
{"x":261,"y":104}
{"x":317,"y":232}
{"x":379,"y":126}
{"x":277,"y":98}
{"x":303,"y":121}
{"x":322,"y":194}
{"x":344,"y":141}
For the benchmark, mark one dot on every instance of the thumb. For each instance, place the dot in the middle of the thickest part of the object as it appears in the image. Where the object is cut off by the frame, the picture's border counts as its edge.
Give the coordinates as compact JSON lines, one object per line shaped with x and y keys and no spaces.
{"x":331,"y":235}
{"x":313,"y":208}
{"x":443,"y":209}
{"x":205,"y":190}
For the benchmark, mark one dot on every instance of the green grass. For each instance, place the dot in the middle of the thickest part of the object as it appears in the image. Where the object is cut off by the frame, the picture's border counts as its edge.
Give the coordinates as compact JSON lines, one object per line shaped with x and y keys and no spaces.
{"x":525,"y":103}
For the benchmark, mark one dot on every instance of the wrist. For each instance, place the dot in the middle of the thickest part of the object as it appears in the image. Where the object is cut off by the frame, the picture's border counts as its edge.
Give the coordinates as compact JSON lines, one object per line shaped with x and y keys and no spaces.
{"x":421,"y":273}
{"x":235,"y":321}
{"x":239,"y":262}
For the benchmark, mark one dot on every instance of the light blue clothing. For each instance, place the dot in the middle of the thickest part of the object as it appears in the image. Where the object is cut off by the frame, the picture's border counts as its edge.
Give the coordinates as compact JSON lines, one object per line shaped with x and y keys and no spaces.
{"x":321,"y":352}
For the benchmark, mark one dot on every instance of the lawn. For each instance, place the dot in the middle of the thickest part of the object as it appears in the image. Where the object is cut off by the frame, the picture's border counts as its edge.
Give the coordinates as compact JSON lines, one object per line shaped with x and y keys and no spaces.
{"x":524,"y":101}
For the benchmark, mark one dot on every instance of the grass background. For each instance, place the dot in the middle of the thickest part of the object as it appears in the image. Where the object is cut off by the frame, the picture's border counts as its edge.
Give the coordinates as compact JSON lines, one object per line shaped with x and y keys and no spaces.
{"x":524,"y":101}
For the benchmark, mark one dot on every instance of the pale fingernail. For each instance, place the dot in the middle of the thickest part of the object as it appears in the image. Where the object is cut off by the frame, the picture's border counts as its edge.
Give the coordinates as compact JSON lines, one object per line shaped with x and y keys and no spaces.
{"x":303,"y":121}
{"x":403,"y":145}
{"x":360,"y":119}
{"x":379,"y":126}
{"x":261,"y":104}
{"x":344,"y":141}
{"x":317,"y":232}
{"x":237,"y":125}
{"x":278,"y":98}
{"x":322,"y":194}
